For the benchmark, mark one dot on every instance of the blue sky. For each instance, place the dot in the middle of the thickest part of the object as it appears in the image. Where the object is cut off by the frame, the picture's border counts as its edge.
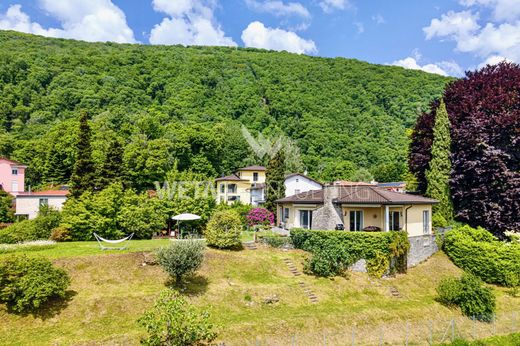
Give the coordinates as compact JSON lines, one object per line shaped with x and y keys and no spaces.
{"x":439,"y":36}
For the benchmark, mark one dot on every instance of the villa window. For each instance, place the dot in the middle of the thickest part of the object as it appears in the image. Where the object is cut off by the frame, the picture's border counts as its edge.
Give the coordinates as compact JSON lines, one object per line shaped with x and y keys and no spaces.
{"x":426,"y":221}
{"x":232,"y":188}
{"x":44,"y":202}
{"x":222,"y":188}
{"x":356,"y":220}
{"x":255,"y":176}
{"x":234,"y":198}
{"x":14,"y":171}
{"x":394,"y":221}
{"x":286,"y":213}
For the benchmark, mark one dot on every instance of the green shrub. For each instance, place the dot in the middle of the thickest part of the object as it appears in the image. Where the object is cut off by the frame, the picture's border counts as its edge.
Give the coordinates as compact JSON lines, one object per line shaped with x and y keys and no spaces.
{"x":479,"y":252}
{"x":27,"y":283}
{"x":173,"y":321}
{"x":181,"y":257}
{"x":335,"y":251}
{"x":36,"y":229}
{"x":224,"y":229}
{"x":474,"y":299}
{"x":439,"y":221}
{"x":449,"y":291}
{"x":378,"y":265}
{"x":61,"y":233}
{"x":273,"y":239}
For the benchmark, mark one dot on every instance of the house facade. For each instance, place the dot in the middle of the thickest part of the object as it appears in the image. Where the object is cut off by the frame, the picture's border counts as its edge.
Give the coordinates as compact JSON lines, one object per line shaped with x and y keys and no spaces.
{"x":357,"y":208}
{"x":12,"y":176}
{"x":28,"y":204}
{"x":297,"y":183}
{"x":245,"y":185}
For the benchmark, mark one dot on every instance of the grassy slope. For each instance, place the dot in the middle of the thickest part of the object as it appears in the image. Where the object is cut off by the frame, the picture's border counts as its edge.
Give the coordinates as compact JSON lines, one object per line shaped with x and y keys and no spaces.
{"x":110,"y":291}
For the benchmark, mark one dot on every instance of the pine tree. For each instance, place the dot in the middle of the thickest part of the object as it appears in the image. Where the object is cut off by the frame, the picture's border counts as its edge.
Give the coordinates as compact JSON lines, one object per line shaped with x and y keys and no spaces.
{"x":274,"y":180}
{"x":112,"y":169}
{"x":56,"y":170}
{"x":438,"y":175}
{"x":83,"y":174}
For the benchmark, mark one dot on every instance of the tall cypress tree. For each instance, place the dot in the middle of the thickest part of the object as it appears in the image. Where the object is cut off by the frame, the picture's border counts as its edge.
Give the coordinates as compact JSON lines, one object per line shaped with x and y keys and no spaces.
{"x":83,"y":175}
{"x":438,"y":175}
{"x":112,"y":169}
{"x":274,"y":180}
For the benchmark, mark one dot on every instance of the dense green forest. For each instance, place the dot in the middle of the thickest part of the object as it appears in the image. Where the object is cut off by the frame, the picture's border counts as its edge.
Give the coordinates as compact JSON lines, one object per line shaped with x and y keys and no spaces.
{"x":186,"y":105}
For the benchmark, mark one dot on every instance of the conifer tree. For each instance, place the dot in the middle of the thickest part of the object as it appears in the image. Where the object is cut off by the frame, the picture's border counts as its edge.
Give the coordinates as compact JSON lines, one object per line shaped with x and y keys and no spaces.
{"x":274,"y":180}
{"x":112,"y":169}
{"x":56,"y":170}
{"x":438,"y":174}
{"x":83,"y":174}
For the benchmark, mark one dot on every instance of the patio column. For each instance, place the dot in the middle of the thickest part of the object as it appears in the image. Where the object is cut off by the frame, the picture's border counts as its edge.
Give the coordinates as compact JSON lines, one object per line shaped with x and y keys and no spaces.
{"x":387,"y":218}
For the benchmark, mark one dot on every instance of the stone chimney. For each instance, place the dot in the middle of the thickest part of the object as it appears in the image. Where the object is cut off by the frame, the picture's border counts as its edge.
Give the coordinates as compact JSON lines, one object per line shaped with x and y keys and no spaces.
{"x":329,"y":215}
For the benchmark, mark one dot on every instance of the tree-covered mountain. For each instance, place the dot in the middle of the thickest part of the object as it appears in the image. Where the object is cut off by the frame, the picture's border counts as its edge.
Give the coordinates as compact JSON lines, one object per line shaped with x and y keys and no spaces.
{"x":187,"y":104}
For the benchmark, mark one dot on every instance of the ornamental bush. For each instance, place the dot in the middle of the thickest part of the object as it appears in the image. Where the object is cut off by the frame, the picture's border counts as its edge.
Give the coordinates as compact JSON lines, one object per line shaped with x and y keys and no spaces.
{"x":182,"y":257}
{"x":173,"y":321}
{"x":334,"y":251}
{"x":224,"y":229}
{"x":477,"y":251}
{"x":260,"y":216}
{"x":27,"y":283}
{"x":474,"y":299}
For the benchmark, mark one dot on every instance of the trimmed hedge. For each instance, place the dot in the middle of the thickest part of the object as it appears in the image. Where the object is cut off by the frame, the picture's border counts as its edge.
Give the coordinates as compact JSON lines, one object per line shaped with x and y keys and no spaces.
{"x":479,"y":252}
{"x":335,"y":251}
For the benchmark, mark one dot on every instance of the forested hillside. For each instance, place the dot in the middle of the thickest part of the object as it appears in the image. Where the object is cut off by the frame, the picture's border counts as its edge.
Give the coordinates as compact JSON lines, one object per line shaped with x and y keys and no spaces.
{"x":171,"y":103}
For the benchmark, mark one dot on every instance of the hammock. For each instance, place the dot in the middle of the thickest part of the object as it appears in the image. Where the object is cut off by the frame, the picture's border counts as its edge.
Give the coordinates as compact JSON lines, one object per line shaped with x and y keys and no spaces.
{"x":101,"y":240}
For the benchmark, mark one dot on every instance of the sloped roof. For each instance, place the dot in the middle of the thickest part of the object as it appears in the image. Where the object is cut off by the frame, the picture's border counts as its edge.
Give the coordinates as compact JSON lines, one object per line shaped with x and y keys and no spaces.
{"x":12,"y":162}
{"x":47,"y":193}
{"x":303,"y":175}
{"x":231,"y":177}
{"x":252,"y":168}
{"x":392,"y":184}
{"x":360,"y":195}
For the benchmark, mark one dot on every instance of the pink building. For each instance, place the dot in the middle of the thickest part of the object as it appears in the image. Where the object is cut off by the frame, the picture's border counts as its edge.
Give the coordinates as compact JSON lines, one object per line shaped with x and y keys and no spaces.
{"x":12,"y":176}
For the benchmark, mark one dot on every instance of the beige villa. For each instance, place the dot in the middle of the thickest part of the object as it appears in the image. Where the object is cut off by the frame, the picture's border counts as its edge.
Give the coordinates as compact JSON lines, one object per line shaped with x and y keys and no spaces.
{"x":355,"y":208}
{"x":246,"y":185}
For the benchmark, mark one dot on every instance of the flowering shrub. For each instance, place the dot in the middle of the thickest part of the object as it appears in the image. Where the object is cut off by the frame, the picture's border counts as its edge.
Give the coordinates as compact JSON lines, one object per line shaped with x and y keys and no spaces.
{"x":260,"y":216}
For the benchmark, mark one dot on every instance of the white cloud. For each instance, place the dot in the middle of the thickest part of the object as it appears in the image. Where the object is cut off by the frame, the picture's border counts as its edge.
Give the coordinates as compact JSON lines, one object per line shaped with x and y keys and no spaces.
{"x":329,"y":6}
{"x":359,"y":27}
{"x":190,"y":22}
{"x":499,"y":38}
{"x":94,"y":20}
{"x":503,"y":10}
{"x":411,"y":63}
{"x":259,"y":36}
{"x":279,"y":8}
{"x":492,"y":60}
{"x":379,"y":19}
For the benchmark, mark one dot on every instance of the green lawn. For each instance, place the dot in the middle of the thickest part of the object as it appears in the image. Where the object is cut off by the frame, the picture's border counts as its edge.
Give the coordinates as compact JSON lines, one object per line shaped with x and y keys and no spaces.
{"x":109,"y":291}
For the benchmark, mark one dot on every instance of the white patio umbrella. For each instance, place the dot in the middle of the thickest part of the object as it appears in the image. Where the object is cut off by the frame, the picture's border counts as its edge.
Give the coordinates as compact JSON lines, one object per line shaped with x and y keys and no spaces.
{"x":184,"y":217}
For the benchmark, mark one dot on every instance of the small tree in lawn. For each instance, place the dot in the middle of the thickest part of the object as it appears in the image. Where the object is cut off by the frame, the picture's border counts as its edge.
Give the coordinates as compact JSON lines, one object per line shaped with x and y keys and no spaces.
{"x":274,"y":180}
{"x":223,"y":230}
{"x":83,"y":174}
{"x":438,"y":175}
{"x":260,"y":216}
{"x":173,"y":321}
{"x":181,"y":258}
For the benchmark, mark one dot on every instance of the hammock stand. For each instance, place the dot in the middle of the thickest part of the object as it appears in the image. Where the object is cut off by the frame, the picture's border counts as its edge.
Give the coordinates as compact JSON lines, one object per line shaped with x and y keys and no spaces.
{"x":101,"y":240}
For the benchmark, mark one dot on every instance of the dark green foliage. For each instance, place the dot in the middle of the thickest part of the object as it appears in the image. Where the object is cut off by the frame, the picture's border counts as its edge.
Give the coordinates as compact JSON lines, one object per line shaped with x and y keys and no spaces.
{"x":27,"y":283}
{"x":241,"y":208}
{"x":334,"y":251}
{"x":174,"y":321}
{"x":82,"y":178}
{"x":337,"y":170}
{"x":181,"y":258}
{"x":170,"y":102}
{"x":112,"y":169}
{"x":6,"y":207}
{"x":438,"y":174}
{"x":393,"y":171}
{"x":274,"y":181}
{"x":474,"y":299}
{"x":478,"y":252}
{"x":224,"y":229}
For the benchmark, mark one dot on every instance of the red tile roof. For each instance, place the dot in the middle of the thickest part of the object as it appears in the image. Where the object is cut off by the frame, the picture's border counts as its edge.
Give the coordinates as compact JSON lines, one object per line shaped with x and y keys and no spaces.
{"x":231,"y":177}
{"x":252,"y":168}
{"x":48,"y":193}
{"x":360,"y":195}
